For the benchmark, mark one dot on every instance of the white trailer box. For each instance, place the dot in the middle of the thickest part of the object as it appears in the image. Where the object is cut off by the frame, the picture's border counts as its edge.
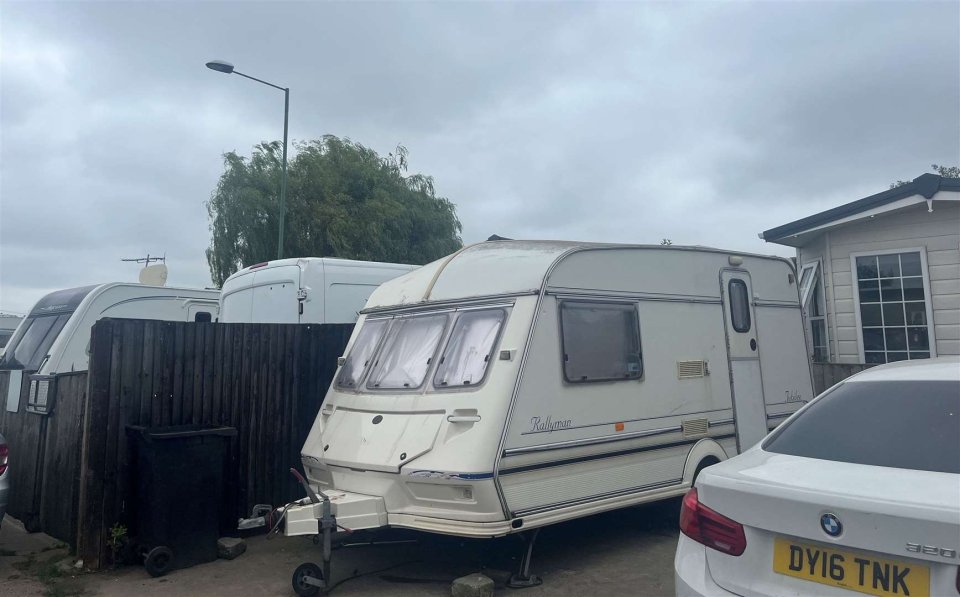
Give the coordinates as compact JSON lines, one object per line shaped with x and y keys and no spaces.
{"x":55,"y":336}
{"x":305,"y":290}
{"x":517,"y":384}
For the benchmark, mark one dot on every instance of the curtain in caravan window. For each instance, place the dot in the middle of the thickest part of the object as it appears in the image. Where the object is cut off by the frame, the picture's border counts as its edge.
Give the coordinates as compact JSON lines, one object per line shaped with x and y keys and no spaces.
{"x":601,"y":341}
{"x":360,"y":354}
{"x":407,"y":352}
{"x":469,"y":349}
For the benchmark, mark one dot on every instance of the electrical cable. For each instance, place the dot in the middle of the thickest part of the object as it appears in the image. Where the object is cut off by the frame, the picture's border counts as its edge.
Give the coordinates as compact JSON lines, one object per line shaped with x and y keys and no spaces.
{"x":279,"y":519}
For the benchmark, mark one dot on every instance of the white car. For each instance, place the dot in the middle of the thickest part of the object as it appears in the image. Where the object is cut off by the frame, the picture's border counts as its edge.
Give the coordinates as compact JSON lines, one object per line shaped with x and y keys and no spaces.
{"x":858,"y":492}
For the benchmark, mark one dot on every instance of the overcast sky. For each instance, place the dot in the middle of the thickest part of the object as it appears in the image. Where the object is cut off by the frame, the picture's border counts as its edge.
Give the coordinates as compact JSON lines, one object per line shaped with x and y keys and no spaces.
{"x":705,"y":123}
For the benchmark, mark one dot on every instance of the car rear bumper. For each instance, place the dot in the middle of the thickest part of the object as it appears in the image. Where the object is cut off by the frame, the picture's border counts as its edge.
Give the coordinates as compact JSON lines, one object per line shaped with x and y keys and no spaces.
{"x":691,"y":574}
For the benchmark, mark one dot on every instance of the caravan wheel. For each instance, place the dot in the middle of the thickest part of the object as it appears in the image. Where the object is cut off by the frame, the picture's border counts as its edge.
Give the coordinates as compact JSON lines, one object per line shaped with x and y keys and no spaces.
{"x":308,"y":580}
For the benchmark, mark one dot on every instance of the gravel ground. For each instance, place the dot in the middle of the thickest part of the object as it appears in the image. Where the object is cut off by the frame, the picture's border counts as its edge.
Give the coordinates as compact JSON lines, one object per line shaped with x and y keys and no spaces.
{"x":628,"y":552}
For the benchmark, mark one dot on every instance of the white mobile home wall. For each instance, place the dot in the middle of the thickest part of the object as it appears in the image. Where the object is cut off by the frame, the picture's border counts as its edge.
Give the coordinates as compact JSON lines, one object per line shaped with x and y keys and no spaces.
{"x":936,"y":234}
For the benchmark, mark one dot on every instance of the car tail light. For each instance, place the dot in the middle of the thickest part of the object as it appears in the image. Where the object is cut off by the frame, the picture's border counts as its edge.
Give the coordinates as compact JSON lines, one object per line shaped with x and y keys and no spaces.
{"x":4,"y":457}
{"x":705,"y":526}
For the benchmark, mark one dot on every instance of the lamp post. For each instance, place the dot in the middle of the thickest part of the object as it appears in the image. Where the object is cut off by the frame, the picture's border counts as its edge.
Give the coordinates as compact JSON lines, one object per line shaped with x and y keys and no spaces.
{"x":227,"y":68}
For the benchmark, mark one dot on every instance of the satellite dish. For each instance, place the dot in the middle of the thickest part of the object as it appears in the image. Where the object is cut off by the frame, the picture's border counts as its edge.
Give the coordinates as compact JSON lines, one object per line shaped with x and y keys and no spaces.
{"x":154,"y":275}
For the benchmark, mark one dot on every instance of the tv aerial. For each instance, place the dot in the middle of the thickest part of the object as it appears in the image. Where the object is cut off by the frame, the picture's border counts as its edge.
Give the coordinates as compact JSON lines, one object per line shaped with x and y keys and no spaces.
{"x":151,"y":275}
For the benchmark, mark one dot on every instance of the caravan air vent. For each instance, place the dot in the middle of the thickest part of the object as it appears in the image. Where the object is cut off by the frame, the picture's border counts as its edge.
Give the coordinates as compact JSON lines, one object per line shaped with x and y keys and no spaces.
{"x":695,"y":427}
{"x":691,"y":369}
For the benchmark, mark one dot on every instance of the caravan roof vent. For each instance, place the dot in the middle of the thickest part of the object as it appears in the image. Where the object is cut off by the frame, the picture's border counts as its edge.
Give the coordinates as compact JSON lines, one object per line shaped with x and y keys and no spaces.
{"x":691,"y":369}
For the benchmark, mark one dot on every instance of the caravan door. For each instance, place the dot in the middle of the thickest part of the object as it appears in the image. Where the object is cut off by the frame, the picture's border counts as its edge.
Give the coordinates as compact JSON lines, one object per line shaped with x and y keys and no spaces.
{"x":743,"y":353}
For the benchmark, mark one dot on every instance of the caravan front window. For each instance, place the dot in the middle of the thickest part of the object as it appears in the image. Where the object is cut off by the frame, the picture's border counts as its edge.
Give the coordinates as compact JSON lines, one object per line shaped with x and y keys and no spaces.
{"x":467,"y":356}
{"x":32,"y":347}
{"x":601,"y":341}
{"x":361,"y":353}
{"x":408,"y":350}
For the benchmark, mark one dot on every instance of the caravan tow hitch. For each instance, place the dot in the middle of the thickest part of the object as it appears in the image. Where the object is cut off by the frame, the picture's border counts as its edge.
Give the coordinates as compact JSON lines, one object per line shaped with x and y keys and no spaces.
{"x":308,"y":578}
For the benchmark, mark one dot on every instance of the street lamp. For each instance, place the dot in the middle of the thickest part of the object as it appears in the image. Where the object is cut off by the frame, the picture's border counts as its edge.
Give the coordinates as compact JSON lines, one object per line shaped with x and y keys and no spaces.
{"x":227,"y":68}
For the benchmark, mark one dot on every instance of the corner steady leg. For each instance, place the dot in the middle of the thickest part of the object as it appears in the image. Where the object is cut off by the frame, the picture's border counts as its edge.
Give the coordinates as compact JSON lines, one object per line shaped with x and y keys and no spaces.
{"x":523,"y":578}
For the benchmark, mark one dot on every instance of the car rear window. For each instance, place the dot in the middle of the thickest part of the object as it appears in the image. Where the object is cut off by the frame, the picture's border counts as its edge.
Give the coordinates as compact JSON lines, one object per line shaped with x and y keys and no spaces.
{"x":900,"y":424}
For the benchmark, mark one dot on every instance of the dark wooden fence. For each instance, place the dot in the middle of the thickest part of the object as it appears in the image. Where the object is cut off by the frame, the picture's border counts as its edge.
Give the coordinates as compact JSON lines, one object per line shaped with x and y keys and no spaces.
{"x":71,"y":472}
{"x":45,"y":457}
{"x":266,"y":380}
{"x":826,"y":375}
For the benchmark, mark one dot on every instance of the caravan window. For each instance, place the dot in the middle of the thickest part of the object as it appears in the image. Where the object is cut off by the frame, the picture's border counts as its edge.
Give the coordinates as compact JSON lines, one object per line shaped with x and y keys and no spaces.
{"x":32,"y":347}
{"x":361,"y":353}
{"x":470,"y":348}
{"x":601,"y":341}
{"x":739,"y":305}
{"x":408,"y":350}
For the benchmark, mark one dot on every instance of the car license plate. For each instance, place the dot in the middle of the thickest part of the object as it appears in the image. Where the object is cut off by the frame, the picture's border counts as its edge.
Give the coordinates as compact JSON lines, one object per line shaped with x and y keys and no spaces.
{"x":850,"y":570}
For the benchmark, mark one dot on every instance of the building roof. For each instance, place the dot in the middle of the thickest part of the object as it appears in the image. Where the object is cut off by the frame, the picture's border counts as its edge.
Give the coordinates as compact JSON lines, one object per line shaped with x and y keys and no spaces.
{"x":925,"y":186}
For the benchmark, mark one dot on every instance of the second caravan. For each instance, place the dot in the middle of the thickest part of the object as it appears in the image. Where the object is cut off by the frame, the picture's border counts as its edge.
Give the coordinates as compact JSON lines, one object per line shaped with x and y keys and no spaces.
{"x":54,"y":338}
{"x":516,"y":384}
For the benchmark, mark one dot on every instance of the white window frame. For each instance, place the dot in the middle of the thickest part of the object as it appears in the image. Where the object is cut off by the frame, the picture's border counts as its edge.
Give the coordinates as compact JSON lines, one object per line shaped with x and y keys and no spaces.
{"x":928,"y":298}
{"x":817,"y":266}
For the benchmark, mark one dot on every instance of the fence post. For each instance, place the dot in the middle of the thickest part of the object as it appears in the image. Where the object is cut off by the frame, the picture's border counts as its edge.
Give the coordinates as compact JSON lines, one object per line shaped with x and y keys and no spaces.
{"x":90,"y":540}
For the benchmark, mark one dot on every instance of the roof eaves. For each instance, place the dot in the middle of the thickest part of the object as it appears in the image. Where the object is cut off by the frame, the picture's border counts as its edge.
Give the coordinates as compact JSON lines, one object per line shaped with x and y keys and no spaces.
{"x":926,"y":185}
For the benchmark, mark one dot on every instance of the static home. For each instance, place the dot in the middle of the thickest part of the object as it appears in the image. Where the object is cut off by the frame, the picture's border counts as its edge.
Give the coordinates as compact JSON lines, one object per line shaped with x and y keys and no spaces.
{"x":880,"y":276}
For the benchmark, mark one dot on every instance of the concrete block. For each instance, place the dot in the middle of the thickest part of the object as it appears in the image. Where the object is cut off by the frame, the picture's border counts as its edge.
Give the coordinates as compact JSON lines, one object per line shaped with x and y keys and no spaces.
{"x":472,"y":585}
{"x":230,"y":547}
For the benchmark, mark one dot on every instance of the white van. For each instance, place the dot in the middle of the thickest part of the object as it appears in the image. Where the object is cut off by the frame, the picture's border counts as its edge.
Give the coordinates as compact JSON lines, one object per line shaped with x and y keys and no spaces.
{"x":304,"y":290}
{"x":55,"y":336}
{"x":516,"y":384}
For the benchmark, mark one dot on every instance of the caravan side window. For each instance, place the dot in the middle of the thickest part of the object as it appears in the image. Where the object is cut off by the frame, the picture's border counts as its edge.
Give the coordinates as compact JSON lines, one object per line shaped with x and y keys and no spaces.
{"x":361,"y":353}
{"x":601,"y":341}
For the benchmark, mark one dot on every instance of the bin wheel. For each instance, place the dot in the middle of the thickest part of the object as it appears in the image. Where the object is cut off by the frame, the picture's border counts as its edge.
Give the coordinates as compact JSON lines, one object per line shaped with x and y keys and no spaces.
{"x":158,"y":561}
{"x":300,"y":576}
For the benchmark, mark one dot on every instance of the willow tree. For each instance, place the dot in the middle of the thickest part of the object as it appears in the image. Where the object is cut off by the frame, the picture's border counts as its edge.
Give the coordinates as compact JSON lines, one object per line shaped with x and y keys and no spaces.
{"x":343,"y":200}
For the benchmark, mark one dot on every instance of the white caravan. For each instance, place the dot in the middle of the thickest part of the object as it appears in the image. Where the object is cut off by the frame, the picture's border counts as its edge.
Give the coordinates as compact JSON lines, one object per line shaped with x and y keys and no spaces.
{"x":55,"y":336}
{"x":306,"y":290}
{"x":516,"y":384}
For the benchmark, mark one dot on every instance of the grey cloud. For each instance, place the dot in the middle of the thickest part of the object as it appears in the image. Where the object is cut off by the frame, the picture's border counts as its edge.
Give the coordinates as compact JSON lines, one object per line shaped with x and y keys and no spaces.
{"x":702,"y":122}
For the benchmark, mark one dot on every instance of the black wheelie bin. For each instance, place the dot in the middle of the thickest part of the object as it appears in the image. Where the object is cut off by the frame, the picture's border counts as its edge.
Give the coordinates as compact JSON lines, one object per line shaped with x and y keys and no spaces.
{"x":178,"y":473}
